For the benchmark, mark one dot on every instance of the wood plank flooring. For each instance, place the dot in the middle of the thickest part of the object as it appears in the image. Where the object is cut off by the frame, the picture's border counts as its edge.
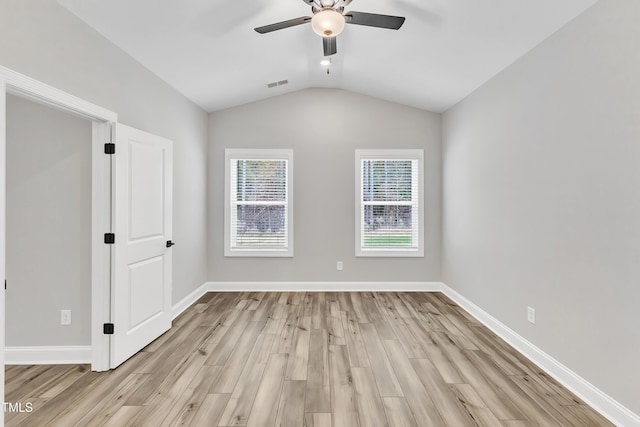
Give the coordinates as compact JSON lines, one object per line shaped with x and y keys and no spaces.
{"x":307,"y":359}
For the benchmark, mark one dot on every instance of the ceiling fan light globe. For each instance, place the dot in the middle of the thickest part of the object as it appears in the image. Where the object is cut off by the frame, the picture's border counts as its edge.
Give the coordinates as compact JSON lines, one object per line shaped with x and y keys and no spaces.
{"x":327,"y":23}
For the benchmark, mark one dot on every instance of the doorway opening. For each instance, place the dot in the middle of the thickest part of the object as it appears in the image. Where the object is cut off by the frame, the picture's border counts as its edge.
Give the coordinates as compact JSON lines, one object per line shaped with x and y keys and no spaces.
{"x":48,"y":235}
{"x":128,"y":218}
{"x":13,"y":84}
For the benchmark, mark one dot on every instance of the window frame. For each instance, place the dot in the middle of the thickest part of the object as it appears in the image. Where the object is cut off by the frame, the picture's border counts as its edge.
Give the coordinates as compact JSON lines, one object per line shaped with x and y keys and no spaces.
{"x":389,"y":154}
{"x":234,"y":154}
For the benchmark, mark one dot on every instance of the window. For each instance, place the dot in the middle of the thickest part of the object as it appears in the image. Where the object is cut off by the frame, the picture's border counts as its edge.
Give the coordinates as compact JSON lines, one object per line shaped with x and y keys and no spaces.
{"x":258,"y":203}
{"x":389,"y":205}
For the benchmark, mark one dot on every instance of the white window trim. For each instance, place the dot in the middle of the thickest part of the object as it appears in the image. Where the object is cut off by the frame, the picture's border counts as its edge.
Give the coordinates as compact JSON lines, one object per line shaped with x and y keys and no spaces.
{"x":389,"y":155}
{"x":257,"y":154}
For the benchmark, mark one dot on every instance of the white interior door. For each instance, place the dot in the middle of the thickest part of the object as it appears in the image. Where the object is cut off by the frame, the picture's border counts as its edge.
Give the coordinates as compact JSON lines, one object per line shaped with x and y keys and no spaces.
{"x":142,"y":198}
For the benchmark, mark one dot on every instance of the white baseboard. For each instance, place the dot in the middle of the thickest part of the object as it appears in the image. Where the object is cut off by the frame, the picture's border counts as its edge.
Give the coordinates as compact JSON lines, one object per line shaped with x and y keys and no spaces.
{"x":187,"y":301}
{"x":306,"y":286}
{"x":594,"y":397}
{"x":47,"y":355}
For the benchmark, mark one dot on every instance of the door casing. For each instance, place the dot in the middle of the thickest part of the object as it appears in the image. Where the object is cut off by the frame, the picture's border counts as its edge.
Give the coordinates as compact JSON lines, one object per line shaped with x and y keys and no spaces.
{"x":101,"y":205}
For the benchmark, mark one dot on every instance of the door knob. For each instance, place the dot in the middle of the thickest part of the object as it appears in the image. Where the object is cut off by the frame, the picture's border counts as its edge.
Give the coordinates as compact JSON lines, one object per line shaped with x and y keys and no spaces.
{"x":170,"y":243}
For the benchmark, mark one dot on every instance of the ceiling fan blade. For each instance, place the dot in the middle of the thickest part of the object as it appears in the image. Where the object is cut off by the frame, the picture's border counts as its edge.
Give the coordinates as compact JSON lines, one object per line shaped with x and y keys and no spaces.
{"x":374,"y":20}
{"x":329,"y":45}
{"x":283,"y":24}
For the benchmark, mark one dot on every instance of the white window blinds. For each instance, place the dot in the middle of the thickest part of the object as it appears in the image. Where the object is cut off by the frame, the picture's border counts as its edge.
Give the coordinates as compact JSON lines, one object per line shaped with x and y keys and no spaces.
{"x":390,"y":206}
{"x":258,"y":212}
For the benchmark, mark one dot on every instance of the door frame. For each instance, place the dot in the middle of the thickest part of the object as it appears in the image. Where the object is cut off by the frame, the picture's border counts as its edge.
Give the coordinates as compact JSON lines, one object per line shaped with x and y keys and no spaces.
{"x":103,"y":121}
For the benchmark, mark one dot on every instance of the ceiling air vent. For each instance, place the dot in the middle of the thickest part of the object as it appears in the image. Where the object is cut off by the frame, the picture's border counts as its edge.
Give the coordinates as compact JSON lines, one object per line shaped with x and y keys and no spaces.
{"x":276,"y":84}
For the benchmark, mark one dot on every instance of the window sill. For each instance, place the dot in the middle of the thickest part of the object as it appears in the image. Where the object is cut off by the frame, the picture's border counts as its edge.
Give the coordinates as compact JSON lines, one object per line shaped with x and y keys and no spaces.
{"x":258,"y":254}
{"x":387,"y":253}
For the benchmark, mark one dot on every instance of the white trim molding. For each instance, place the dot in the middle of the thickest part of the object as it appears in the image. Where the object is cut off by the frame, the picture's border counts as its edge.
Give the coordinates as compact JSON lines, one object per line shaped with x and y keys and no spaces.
{"x":306,"y":286}
{"x":34,"y":90}
{"x":43,"y":93}
{"x":594,"y":397}
{"x":189,"y":300}
{"x":48,"y":355}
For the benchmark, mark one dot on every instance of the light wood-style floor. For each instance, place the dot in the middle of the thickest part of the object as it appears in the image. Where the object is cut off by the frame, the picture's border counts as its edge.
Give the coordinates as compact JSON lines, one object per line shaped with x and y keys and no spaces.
{"x":307,"y":359}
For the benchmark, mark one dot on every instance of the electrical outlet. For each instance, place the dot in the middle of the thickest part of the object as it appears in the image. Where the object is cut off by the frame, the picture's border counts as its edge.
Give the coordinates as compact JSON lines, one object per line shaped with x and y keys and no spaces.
{"x":65,"y":317}
{"x":531,"y":315}
{"x":339,"y":265}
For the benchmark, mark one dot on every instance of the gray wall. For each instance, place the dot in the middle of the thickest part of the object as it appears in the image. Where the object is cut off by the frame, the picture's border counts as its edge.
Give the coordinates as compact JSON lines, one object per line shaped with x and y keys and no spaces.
{"x":43,"y":40}
{"x":541,"y":203}
{"x":324,"y":127}
{"x":48,"y":225}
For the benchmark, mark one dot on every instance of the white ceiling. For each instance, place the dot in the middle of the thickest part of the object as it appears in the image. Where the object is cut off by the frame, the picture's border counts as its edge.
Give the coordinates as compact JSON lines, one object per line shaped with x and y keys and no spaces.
{"x":207,"y":49}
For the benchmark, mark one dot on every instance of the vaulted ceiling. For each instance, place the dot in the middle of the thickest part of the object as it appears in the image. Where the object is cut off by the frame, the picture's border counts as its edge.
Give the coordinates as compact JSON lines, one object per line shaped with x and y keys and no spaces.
{"x":209,"y":51}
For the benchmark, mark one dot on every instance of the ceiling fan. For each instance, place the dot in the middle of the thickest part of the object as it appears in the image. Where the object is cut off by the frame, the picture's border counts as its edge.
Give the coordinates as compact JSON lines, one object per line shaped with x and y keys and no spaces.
{"x":329,"y":19}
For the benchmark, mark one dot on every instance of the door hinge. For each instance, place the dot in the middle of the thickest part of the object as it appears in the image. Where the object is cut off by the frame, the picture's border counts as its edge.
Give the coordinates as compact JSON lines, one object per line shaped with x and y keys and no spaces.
{"x":109,"y":238}
{"x":109,"y":148}
{"x":107,"y":328}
